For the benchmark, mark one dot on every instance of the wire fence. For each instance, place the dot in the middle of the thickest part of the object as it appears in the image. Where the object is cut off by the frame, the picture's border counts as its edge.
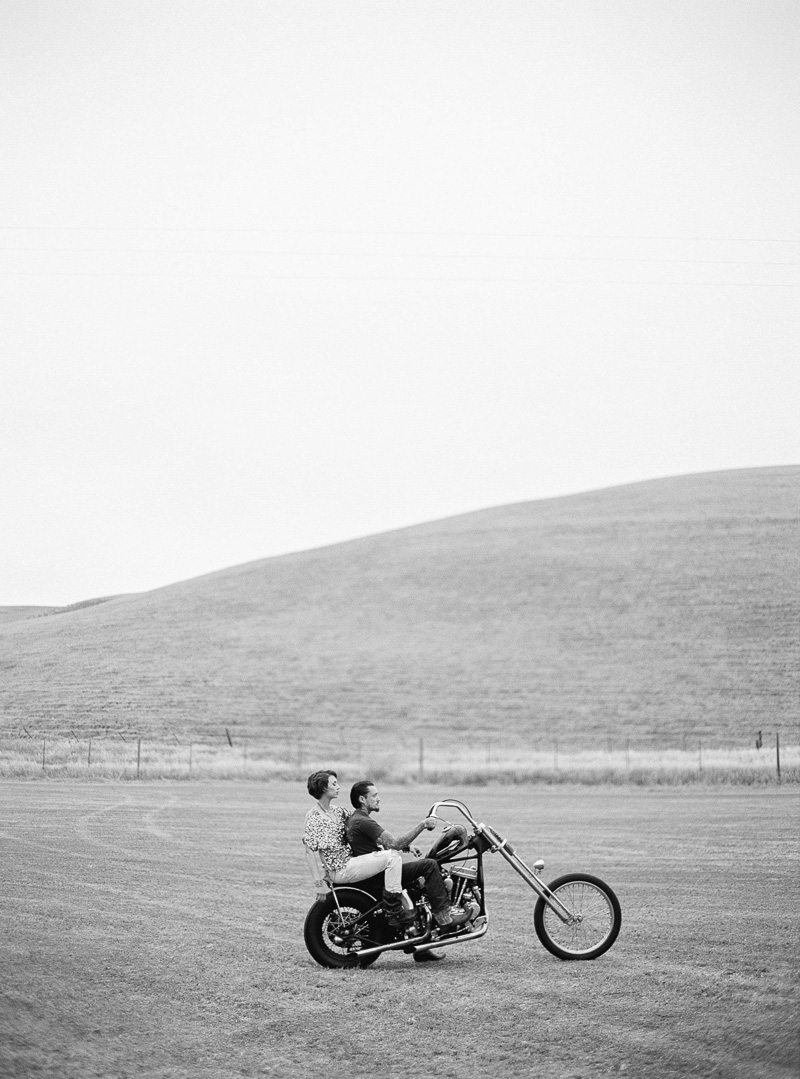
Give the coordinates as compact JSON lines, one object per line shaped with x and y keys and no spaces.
{"x":474,"y":757}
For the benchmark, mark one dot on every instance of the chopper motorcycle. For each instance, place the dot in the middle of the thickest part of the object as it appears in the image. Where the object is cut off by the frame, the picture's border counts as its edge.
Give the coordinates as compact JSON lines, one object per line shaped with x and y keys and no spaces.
{"x":576,"y":916}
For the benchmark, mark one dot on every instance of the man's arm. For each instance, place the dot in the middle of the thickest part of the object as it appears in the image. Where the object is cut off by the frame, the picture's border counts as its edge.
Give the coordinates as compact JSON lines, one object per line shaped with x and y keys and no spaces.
{"x":403,"y":842}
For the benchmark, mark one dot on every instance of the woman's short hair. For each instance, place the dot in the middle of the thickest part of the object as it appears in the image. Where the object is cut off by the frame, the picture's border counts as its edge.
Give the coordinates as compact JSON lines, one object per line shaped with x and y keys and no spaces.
{"x":318,"y":782}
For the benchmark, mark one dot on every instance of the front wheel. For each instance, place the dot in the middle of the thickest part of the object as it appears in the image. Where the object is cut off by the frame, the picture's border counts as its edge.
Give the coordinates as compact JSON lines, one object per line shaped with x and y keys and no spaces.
{"x":594,"y":918}
{"x":334,"y":935}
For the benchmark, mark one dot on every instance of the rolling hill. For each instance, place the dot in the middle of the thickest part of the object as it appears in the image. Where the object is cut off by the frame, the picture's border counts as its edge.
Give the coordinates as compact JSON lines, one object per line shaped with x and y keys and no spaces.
{"x":651,"y":610}
{"x":13,"y":614}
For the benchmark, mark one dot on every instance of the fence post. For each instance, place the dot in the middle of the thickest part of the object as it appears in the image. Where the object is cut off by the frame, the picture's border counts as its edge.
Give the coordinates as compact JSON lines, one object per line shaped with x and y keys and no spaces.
{"x":700,"y":754}
{"x":89,"y":756}
{"x":138,"y":755}
{"x":44,"y":748}
{"x":778,"y":753}
{"x":628,"y":755}
{"x":555,"y":756}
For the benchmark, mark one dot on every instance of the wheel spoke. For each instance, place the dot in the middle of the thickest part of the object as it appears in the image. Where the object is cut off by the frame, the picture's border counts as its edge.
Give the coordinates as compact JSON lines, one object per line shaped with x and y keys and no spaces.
{"x":351,"y":927}
{"x":341,"y":927}
{"x":592,"y":918}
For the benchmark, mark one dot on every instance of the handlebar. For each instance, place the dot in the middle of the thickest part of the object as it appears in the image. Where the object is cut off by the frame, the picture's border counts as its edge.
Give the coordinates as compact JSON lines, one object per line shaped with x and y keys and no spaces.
{"x":496,"y":841}
{"x":453,"y":803}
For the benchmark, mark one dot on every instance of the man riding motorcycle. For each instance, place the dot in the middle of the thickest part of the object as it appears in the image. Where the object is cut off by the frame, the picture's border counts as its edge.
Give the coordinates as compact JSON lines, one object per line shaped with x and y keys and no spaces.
{"x":366,"y":836}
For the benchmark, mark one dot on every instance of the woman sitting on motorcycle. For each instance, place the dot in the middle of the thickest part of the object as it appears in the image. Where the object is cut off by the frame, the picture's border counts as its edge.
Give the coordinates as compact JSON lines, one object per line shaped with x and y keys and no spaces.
{"x":329,"y":857}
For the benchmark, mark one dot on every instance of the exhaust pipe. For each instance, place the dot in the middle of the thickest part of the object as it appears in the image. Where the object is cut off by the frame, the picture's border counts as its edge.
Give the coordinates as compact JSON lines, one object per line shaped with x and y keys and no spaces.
{"x":409,"y":943}
{"x":447,"y":942}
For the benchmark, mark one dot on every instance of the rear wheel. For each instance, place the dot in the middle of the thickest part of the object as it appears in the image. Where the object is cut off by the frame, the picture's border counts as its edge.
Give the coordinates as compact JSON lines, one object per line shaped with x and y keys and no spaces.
{"x":335,"y":935}
{"x":594,"y":919}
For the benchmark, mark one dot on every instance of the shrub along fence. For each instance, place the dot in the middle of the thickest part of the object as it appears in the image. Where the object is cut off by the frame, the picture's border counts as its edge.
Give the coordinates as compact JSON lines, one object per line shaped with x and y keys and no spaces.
{"x":472,"y":757}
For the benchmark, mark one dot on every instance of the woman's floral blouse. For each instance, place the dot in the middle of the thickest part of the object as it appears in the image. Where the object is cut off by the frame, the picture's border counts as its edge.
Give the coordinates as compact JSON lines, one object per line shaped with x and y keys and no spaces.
{"x":326,"y":833}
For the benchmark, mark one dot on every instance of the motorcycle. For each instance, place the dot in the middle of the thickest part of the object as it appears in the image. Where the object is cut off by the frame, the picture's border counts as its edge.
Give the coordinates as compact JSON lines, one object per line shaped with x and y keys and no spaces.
{"x":577,"y":916}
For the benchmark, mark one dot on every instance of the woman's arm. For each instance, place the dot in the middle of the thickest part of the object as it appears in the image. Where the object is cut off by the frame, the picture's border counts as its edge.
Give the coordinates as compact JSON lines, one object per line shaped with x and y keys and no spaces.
{"x":317,"y":871}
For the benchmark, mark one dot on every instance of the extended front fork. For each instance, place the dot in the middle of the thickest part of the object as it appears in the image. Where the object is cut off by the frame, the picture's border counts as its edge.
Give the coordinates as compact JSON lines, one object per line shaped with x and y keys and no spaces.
{"x":495,"y":842}
{"x":530,"y":876}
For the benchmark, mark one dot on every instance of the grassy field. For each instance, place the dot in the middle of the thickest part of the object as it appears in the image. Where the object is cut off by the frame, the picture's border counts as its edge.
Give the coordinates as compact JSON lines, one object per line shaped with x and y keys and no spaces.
{"x":155,"y":930}
{"x":660,"y":610}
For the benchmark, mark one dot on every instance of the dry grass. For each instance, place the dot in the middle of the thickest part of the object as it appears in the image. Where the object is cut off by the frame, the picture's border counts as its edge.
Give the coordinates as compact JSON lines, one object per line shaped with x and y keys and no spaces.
{"x":154,"y":931}
{"x":659,"y":611}
{"x":106,"y":758}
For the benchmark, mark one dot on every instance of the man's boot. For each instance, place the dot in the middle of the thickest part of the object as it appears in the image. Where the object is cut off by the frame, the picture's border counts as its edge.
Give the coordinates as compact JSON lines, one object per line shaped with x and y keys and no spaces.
{"x":396,"y":914}
{"x":443,"y":917}
{"x":447,"y":922}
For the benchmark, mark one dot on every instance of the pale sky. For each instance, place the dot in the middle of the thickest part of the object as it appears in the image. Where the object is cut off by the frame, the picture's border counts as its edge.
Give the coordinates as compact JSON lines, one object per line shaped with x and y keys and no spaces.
{"x":277,"y":273}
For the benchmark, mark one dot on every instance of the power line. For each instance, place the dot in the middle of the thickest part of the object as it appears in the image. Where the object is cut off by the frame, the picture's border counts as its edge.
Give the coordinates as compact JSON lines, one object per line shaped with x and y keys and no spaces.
{"x":385,"y":278}
{"x":393,"y":232}
{"x":401,"y":255}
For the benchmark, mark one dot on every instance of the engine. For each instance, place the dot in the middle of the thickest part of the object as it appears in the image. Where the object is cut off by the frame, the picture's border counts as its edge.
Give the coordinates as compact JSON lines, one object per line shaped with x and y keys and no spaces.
{"x":461,"y":882}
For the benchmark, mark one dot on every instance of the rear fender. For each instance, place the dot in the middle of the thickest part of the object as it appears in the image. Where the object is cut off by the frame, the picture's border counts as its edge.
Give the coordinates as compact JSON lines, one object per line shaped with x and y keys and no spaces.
{"x":340,"y":895}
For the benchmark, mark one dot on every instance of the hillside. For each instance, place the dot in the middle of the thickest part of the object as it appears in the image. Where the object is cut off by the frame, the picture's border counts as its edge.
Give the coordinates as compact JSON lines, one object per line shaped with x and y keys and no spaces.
{"x":663,"y":608}
{"x":14,"y":614}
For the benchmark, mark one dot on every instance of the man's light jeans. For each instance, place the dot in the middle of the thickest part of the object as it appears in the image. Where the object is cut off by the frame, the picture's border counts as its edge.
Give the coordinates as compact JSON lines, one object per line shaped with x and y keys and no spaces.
{"x":368,"y":865}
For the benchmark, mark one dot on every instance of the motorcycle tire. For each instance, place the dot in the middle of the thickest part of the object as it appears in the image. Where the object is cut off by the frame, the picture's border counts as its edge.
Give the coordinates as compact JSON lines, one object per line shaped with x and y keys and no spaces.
{"x":324,"y":923}
{"x":596,"y":912}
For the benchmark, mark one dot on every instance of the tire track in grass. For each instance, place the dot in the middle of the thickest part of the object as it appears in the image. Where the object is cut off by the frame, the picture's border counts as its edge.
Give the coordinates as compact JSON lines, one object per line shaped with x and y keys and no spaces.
{"x":24,"y":839}
{"x":182,"y":840}
{"x":215,"y":917}
{"x":147,"y":825}
{"x":192,"y":914}
{"x":35,"y":844}
{"x":84,"y":825}
{"x":114,"y":829}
